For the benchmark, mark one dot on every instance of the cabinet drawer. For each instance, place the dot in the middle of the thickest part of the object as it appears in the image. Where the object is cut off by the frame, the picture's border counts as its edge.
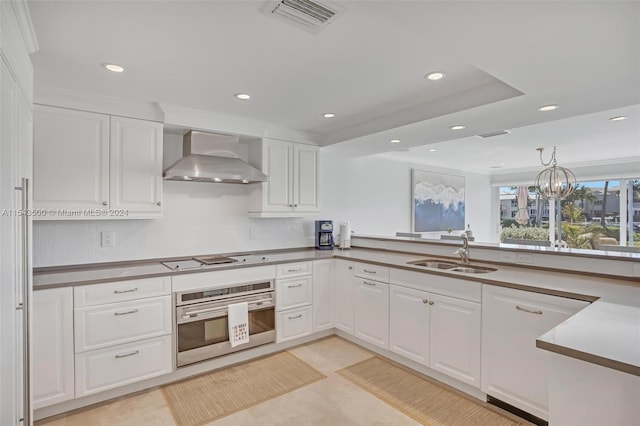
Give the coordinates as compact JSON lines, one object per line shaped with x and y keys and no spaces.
{"x":293,"y":323}
{"x":294,"y":269}
{"x":118,"y":291}
{"x":294,"y":292}
{"x":374,"y":272}
{"x":116,"y":323}
{"x":120,"y":365}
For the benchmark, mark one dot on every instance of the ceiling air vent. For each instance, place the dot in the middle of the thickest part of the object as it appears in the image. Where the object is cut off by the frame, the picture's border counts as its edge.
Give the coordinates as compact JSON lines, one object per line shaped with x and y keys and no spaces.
{"x":492,"y":134}
{"x":311,"y":16}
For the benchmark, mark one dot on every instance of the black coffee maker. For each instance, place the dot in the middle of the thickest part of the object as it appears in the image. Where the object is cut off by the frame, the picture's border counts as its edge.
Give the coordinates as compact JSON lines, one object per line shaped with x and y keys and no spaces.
{"x":324,"y":234}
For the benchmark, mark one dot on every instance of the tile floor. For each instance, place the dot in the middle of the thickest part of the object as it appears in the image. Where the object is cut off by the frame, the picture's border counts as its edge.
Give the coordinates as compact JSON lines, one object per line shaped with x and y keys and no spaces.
{"x":332,"y":401}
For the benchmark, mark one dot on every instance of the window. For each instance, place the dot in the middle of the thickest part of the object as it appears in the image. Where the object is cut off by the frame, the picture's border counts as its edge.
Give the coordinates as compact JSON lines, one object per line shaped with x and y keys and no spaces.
{"x":599,"y":215}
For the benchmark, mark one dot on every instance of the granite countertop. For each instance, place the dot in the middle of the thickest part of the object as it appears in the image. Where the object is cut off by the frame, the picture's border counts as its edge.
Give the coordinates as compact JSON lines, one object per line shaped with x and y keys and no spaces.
{"x":607,"y":332}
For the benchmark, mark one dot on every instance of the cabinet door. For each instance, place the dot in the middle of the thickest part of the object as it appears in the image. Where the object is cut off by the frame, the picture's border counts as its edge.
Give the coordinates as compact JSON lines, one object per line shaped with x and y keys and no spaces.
{"x":322,"y":274}
{"x":70,"y":159}
{"x":455,"y":338}
{"x":52,"y":350}
{"x":409,"y":323}
{"x":343,"y":296}
{"x":279,"y":167}
{"x":136,"y":166}
{"x":305,"y":178}
{"x":513,"y":369}
{"x":371,"y":311}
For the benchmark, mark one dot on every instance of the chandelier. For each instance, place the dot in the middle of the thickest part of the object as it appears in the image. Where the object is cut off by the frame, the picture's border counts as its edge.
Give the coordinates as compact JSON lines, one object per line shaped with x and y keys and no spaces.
{"x":554,"y":182}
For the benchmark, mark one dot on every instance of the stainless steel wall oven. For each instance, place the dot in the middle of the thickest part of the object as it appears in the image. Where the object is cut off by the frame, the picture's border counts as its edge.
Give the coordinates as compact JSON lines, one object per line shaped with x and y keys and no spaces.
{"x":201,"y":317}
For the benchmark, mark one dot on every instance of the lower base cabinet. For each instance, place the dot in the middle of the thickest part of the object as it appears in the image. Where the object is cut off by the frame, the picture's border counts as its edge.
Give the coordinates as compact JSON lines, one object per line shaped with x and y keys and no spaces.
{"x":513,"y":369}
{"x":52,"y":348}
{"x":371,"y":311}
{"x":120,"y":365}
{"x":440,"y":332}
{"x":293,"y":323}
{"x":342,"y":290}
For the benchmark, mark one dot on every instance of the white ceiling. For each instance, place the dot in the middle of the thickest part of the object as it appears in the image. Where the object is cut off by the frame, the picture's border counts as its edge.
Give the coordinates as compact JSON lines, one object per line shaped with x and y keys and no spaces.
{"x":502,"y":59}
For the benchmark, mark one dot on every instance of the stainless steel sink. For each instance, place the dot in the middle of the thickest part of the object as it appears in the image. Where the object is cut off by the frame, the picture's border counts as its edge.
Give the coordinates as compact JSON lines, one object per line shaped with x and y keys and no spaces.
{"x":473,"y":269}
{"x":451,"y":266}
{"x":434,"y":264}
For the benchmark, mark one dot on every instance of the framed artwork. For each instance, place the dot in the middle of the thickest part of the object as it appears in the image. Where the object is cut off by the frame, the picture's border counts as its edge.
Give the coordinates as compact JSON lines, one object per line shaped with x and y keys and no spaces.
{"x":437,"y":201}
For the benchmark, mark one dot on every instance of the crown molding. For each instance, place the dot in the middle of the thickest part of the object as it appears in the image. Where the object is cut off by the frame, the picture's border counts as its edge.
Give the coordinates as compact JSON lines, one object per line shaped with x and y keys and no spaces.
{"x":23,"y":18}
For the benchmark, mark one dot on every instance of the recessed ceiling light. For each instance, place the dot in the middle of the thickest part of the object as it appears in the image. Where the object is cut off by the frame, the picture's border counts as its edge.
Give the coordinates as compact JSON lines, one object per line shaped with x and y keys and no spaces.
{"x":394,"y":140}
{"x":457,"y":127}
{"x":328,"y":115}
{"x":245,"y":181}
{"x":432,"y":150}
{"x":113,"y":67}
{"x":433,"y":76}
{"x":242,"y":96}
{"x":217,"y":180}
{"x":548,"y":108}
{"x":618,"y":118}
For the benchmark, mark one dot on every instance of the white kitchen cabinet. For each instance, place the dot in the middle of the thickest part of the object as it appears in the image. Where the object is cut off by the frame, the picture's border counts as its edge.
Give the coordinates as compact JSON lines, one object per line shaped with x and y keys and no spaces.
{"x":371,"y":311}
{"x":96,"y":166}
{"x":292,"y":188}
{"x":342,"y":295}
{"x":294,"y":323}
{"x":294,"y":298}
{"x":122,"y":333}
{"x":455,"y":334}
{"x":322,"y":277}
{"x":135,"y":166}
{"x":121,"y":365}
{"x":438,"y":331}
{"x":52,"y":351}
{"x":409,"y":323}
{"x":513,"y":369}
{"x":70,"y":159}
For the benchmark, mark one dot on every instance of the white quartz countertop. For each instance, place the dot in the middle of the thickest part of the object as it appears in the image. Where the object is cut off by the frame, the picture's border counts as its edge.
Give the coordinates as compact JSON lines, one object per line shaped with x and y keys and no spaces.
{"x":607,"y":332}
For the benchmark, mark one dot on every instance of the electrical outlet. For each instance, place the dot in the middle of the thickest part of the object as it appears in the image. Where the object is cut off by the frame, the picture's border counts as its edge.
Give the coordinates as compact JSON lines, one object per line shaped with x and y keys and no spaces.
{"x":524,"y":258}
{"x":107,"y":239}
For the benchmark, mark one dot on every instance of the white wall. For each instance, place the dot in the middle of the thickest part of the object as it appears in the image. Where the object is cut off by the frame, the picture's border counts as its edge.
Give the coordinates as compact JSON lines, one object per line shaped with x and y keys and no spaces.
{"x":375,"y":195}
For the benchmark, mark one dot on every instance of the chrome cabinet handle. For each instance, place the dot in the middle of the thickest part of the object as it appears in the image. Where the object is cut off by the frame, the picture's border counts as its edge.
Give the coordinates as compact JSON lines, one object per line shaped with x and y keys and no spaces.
{"x":431,"y":302}
{"x":126,"y":355}
{"x":295,"y":316}
{"x":294,"y":270}
{"x":368,"y":283}
{"x":23,"y":303}
{"x":104,"y":203}
{"x":295,"y":285}
{"x":135,"y":311}
{"x":159,"y":203}
{"x":425,"y":301}
{"x":350,"y":268}
{"x":295,"y":205}
{"x":520,"y":308}
{"x":369,"y":272}
{"x":125,"y":291}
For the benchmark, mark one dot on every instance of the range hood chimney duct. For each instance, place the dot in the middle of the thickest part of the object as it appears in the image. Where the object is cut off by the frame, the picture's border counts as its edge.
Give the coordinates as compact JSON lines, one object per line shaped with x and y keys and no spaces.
{"x":212,"y":157}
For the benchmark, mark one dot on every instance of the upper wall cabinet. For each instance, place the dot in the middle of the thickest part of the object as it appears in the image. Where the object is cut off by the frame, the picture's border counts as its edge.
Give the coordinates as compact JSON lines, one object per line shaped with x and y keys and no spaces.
{"x":96,"y":166}
{"x":292,"y":189}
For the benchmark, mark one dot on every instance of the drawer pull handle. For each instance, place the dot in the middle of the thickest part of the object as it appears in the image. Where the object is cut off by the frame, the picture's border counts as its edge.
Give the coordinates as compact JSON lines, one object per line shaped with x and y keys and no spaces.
{"x":295,"y":285}
{"x":129,"y":354}
{"x":135,"y":311}
{"x":125,"y":291}
{"x":369,"y":272}
{"x":520,"y":308}
{"x":295,"y":270}
{"x":368,"y":283}
{"x":295,"y":316}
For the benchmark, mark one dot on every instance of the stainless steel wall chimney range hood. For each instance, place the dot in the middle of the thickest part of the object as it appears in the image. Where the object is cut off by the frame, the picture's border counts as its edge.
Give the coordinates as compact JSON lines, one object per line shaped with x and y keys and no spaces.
{"x":212,"y":157}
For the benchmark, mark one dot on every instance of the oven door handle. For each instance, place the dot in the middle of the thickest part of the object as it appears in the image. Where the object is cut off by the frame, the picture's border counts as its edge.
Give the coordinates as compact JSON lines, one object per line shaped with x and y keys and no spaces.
{"x":224,"y":309}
